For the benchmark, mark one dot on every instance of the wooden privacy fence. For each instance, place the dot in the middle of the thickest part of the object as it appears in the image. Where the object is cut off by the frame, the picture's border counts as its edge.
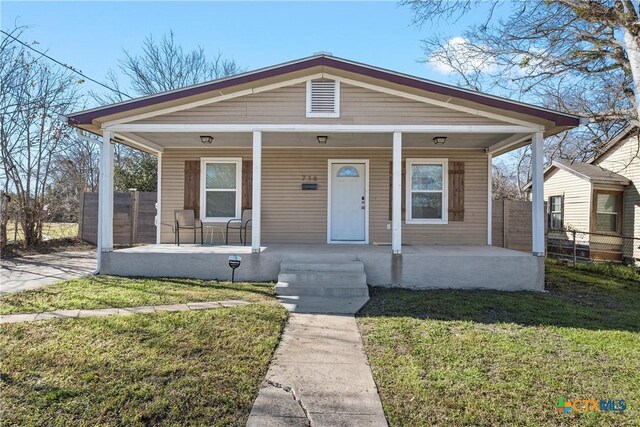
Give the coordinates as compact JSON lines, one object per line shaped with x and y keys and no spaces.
{"x":512,"y":224}
{"x":134,"y":216}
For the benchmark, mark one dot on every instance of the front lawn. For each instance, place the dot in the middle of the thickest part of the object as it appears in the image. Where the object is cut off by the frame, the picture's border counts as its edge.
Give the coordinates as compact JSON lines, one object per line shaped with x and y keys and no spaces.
{"x":182,"y":368}
{"x":496,"y":358}
{"x":116,"y":292}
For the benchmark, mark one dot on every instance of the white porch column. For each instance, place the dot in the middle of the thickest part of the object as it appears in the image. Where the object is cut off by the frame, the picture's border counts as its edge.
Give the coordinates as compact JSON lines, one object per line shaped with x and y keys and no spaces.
{"x":537,"y":195}
{"x":159,"y":202}
{"x":105,"y":204}
{"x":489,"y":199}
{"x":257,"y":192}
{"x":396,"y":203}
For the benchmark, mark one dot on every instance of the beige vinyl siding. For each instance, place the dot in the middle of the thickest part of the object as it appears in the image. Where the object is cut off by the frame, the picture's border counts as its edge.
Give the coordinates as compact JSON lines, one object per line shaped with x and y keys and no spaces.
{"x":291,"y":215}
{"x":624,"y":159}
{"x":358,"y":106}
{"x":577,"y":197}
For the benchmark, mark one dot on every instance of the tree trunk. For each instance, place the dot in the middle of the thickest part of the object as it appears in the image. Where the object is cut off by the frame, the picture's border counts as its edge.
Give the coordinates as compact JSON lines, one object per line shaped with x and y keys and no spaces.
{"x":632,"y":45}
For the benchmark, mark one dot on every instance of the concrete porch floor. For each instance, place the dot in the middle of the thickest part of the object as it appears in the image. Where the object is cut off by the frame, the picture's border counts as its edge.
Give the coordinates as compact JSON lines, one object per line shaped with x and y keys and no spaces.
{"x":419,"y":266}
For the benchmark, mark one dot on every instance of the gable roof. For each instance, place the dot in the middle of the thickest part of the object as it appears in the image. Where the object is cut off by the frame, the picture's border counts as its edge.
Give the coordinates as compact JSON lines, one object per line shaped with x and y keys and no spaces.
{"x":592,"y":173}
{"x":612,"y":145}
{"x":322,"y":60}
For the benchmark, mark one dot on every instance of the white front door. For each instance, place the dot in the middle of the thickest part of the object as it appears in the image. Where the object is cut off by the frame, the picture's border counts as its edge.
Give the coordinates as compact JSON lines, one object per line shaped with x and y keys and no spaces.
{"x":348,"y":202}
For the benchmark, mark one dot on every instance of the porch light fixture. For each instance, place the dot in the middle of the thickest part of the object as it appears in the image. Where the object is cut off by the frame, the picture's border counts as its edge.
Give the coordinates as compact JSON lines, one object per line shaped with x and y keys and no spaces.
{"x":439,"y":140}
{"x":322,"y":139}
{"x":206,"y":139}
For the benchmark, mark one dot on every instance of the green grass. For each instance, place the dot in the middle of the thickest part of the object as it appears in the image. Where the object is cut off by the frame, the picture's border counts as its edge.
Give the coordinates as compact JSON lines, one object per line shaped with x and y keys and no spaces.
{"x":108,"y":291}
{"x":182,"y":368}
{"x":495,"y":358}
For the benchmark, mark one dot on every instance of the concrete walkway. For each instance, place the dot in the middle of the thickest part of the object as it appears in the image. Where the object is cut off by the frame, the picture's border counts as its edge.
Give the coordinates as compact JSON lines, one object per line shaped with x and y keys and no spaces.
{"x":34,"y":271}
{"x":319,"y":377}
{"x":100,"y":312}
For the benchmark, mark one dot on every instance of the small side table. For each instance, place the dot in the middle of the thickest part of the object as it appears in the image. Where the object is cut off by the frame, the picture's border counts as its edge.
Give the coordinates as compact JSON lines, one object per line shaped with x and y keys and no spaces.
{"x":210,"y":231}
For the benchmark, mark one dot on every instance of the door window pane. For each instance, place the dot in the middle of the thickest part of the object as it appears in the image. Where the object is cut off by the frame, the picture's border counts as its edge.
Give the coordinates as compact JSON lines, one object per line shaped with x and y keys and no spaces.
{"x":221,"y":176}
{"x":221,"y":204}
{"x":426,"y":205}
{"x":426,"y":177}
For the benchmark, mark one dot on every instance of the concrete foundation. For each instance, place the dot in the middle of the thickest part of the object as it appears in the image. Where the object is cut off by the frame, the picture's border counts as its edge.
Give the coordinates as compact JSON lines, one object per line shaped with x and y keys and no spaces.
{"x":419,"y":267}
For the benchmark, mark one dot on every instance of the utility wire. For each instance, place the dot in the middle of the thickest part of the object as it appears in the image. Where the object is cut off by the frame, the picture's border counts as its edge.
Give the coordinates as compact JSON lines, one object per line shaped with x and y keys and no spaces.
{"x":64,"y":65}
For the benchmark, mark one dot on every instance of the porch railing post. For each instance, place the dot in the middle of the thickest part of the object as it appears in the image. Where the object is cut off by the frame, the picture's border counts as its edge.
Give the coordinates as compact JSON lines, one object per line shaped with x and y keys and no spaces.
{"x":257,"y":192}
{"x":396,"y":203}
{"x":159,"y":202}
{"x":537,"y":195}
{"x":105,"y":204}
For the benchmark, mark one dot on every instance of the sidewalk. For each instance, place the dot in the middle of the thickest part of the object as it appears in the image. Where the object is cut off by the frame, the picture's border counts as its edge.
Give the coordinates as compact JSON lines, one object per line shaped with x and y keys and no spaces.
{"x":319,"y":377}
{"x":34,"y":271}
{"x":100,"y":312}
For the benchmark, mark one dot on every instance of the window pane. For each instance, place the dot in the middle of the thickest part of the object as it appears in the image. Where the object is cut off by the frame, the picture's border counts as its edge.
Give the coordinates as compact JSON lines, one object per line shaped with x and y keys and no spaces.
{"x":556,"y":204}
{"x":607,"y":222}
{"x":556,"y":221}
{"x":426,"y":177}
{"x":221,"y":204}
{"x":607,"y":203}
{"x":426,"y":205}
{"x":221,"y":176}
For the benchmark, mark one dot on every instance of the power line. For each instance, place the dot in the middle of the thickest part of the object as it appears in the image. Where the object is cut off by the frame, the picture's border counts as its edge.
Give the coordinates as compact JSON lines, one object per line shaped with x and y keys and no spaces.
{"x":64,"y":65}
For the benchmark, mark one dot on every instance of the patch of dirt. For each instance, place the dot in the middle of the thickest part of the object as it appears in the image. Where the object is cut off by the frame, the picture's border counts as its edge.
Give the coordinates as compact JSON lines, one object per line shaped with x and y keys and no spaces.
{"x":15,"y":250}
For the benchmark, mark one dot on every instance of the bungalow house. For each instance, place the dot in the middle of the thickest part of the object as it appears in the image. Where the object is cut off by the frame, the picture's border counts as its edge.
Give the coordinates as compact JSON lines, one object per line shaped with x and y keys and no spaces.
{"x":339,"y":163}
{"x":600,"y":199}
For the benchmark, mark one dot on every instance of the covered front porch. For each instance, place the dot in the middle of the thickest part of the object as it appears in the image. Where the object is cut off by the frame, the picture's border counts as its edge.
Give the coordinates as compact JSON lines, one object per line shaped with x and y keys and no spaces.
{"x":419,"y":266}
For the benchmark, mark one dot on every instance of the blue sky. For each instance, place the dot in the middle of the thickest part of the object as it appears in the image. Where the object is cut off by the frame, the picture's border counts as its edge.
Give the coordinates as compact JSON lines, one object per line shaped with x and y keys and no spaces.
{"x":91,"y":35}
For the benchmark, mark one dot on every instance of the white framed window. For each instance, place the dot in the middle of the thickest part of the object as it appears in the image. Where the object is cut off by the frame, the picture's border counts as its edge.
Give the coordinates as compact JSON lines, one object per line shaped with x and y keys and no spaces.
{"x":427,"y":191}
{"x":556,"y":213}
{"x":220,"y":189}
{"x":323,"y":98}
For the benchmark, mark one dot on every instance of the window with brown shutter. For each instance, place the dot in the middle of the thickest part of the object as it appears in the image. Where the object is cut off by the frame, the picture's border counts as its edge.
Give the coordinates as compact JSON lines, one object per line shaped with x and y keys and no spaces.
{"x":192,"y":186}
{"x":456,"y":191}
{"x":247,"y":184}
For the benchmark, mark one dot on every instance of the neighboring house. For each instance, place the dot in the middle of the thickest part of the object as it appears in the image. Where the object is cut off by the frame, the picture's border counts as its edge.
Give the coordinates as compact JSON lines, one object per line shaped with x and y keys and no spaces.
{"x":334,"y":158}
{"x":600,"y":197}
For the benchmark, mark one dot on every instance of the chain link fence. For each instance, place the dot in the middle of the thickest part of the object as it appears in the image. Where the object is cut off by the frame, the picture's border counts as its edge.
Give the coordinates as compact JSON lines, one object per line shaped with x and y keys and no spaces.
{"x":581,"y":247}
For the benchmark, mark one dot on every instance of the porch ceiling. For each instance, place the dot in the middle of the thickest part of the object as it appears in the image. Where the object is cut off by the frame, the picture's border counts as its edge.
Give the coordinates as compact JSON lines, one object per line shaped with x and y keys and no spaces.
{"x":335,"y":140}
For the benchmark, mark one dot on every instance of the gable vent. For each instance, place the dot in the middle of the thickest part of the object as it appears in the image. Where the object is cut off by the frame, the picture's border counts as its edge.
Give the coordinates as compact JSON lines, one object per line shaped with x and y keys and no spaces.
{"x":323,"y":98}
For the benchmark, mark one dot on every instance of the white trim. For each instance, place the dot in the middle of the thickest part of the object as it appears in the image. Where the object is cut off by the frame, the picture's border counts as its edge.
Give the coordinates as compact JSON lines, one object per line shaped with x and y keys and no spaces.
{"x":366,"y":200}
{"x":426,"y":100}
{"x":336,"y":101}
{"x":256,"y":208}
{"x":105,"y":205}
{"x":211,"y":100}
{"x":195,"y":128}
{"x":445,"y":190}
{"x":489,"y":199}
{"x":537,"y":194}
{"x":203,"y":188}
{"x":508,"y":144}
{"x":396,"y":203}
{"x":159,"y":202}
{"x":140,"y":143}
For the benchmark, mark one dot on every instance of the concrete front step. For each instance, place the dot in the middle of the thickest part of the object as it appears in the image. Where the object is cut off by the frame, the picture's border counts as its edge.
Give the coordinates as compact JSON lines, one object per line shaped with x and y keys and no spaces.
{"x":330,"y":266}
{"x":322,"y":286}
{"x":323,"y":278}
{"x":323,"y":304}
{"x":335,"y":291}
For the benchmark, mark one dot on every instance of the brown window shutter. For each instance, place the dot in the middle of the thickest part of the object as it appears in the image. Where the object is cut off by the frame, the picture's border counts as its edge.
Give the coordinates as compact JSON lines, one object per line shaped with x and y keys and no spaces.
{"x":247,"y":184}
{"x":404,"y":183}
{"x":192,"y":186}
{"x":456,"y":191}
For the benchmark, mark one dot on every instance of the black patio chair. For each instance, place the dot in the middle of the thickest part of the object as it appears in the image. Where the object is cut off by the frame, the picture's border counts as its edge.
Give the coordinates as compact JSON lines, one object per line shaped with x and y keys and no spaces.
{"x":239,"y":224}
{"x":186,"y":220}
